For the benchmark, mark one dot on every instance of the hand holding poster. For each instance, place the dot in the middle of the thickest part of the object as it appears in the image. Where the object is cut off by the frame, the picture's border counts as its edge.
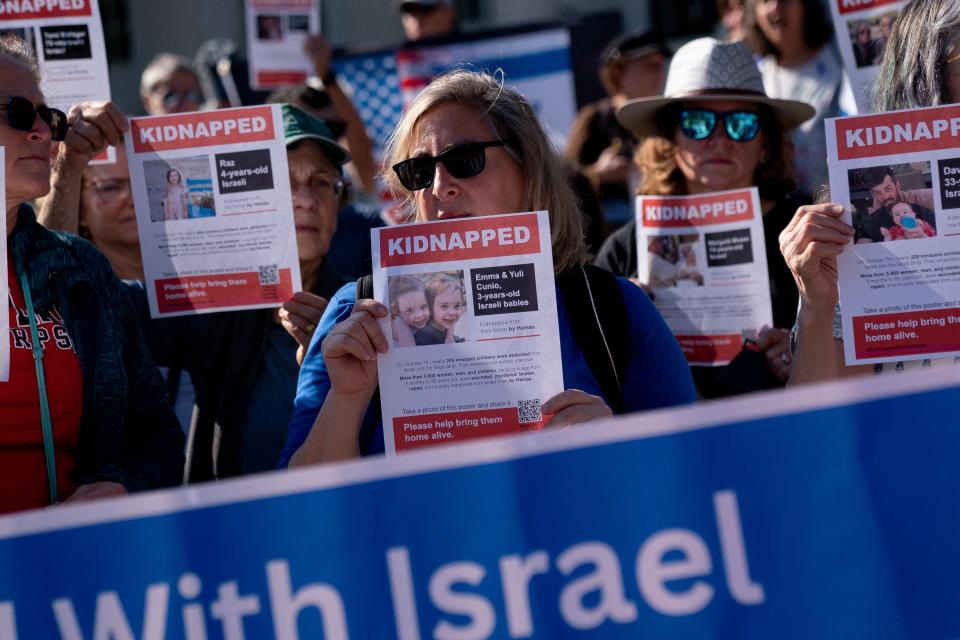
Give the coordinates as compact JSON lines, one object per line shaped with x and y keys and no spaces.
{"x":276,"y":33}
{"x":899,"y":174}
{"x":705,"y":257}
{"x":474,"y":340}
{"x":67,"y":38}
{"x":863,"y":28}
{"x":212,"y":195}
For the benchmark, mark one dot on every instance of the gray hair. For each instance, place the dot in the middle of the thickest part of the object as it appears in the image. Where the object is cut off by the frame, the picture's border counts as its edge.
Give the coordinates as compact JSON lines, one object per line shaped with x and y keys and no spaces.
{"x":162,"y":67}
{"x":512,"y":120}
{"x":923,"y":38}
{"x":14,"y":48}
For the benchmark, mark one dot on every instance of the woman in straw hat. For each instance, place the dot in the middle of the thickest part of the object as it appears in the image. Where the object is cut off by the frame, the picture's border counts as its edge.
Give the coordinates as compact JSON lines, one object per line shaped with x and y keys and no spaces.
{"x":716,"y":129}
{"x":920,"y":68}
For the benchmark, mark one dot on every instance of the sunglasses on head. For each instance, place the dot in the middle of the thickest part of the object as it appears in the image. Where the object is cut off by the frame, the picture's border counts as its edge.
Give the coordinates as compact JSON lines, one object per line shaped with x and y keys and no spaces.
{"x":21,"y":114}
{"x":699,"y":124}
{"x":462,"y":161}
{"x":418,"y":10}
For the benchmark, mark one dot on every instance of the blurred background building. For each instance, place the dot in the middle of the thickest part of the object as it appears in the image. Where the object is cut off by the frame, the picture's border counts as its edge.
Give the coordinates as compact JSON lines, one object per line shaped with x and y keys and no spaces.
{"x":137,"y":29}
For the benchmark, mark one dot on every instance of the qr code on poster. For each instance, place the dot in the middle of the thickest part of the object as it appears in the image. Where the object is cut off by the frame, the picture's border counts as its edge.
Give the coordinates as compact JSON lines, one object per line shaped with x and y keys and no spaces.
{"x":269,"y":274}
{"x":529,"y":410}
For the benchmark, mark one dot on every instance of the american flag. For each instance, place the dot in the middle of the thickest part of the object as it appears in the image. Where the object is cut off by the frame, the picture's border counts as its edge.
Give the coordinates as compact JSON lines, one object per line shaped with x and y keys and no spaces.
{"x":536,"y":63}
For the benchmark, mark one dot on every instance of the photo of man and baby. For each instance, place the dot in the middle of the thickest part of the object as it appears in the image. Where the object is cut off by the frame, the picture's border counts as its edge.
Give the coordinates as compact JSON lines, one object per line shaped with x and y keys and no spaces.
{"x":893,"y":203}
{"x":427,"y":308}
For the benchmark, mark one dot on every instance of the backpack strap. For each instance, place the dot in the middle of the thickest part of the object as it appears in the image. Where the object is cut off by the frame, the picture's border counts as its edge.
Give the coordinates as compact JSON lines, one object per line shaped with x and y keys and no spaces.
{"x":365,"y":291}
{"x":598,"y":317}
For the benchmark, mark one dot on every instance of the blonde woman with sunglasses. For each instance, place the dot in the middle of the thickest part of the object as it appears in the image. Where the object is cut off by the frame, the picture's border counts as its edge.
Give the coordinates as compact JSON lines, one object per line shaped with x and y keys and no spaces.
{"x":469,"y":146}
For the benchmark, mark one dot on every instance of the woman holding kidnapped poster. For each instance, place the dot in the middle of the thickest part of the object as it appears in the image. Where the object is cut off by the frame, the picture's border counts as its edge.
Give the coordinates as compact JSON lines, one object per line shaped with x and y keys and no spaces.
{"x":921,"y":68}
{"x":469,"y":146}
{"x":84,"y":412}
{"x":716,"y":129}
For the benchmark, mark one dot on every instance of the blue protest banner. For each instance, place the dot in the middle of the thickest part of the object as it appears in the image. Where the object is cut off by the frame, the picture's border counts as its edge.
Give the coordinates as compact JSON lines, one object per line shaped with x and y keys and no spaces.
{"x":820,"y":512}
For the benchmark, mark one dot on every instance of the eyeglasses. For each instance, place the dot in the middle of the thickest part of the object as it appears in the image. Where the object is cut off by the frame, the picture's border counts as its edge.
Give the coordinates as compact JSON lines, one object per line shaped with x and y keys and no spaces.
{"x":21,"y":114}
{"x":462,"y":161}
{"x":111,"y":189}
{"x":699,"y":124}
{"x":173,"y":99}
{"x":321,"y":185}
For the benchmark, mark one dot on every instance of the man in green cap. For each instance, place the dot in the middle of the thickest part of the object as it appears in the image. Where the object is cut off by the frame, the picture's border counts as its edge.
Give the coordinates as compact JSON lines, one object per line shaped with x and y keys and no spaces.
{"x":243,"y":364}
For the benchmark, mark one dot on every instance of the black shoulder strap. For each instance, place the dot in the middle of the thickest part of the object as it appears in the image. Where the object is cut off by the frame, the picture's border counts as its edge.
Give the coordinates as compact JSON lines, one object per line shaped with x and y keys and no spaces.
{"x":598,"y":317}
{"x":365,"y":291}
{"x":365,"y":287}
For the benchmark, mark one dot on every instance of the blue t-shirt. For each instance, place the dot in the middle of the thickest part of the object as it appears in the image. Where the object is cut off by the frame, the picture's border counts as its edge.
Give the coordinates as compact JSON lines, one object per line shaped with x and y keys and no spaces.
{"x":657,"y":376}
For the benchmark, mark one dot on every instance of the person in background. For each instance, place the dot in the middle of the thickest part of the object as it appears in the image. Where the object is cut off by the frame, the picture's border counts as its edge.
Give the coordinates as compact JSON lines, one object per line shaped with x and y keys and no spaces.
{"x":169,"y":84}
{"x":863,"y":45}
{"x":794,"y":37}
{"x":731,"y":20}
{"x":425,"y":19}
{"x":921,"y":68}
{"x":632,"y":66}
{"x":496,"y":159}
{"x":714,"y":130}
{"x":84,"y":412}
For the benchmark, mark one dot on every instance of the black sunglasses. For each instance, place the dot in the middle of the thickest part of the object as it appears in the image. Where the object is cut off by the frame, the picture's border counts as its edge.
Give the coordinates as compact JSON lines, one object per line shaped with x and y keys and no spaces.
{"x":699,"y":124}
{"x":462,"y":161}
{"x":21,"y":114}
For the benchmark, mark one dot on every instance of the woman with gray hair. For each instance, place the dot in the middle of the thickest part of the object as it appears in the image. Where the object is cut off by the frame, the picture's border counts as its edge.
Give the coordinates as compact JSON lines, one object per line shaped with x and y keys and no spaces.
{"x":920,"y":68}
{"x":468,"y":146}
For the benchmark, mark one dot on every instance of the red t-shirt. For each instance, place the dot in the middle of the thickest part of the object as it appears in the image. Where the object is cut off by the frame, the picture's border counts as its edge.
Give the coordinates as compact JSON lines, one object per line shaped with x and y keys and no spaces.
{"x":23,"y":467}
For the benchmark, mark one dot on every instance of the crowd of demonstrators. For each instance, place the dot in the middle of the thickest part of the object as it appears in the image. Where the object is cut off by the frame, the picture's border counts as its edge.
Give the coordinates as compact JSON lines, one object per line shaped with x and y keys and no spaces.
{"x":920,"y":68}
{"x":243,"y":364}
{"x":459,"y":114}
{"x":794,"y":38}
{"x":298,"y":385}
{"x":632,"y":66}
{"x":85,"y":412}
{"x":716,"y":129}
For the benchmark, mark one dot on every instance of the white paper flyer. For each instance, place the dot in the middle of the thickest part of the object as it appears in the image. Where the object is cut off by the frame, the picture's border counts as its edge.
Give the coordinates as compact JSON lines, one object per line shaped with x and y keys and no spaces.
{"x":705,"y":258}
{"x":212,"y":194}
{"x":67,"y":38}
{"x":474,"y":341}
{"x":899,"y":174}
{"x":276,"y":32}
{"x":862,"y":28}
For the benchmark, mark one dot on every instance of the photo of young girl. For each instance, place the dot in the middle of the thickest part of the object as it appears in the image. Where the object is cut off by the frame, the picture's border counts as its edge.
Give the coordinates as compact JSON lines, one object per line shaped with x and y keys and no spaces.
{"x":409,"y":311}
{"x":175,"y":196}
{"x":427,"y":308}
{"x":447,"y":301}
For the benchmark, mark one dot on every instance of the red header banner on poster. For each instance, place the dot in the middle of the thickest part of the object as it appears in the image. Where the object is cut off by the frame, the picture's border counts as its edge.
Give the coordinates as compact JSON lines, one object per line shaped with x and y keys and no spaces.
{"x":715,"y":208}
{"x":459,"y":240}
{"x":899,"y":132}
{"x":851,"y":6}
{"x":202,"y":129}
{"x":33,"y":9}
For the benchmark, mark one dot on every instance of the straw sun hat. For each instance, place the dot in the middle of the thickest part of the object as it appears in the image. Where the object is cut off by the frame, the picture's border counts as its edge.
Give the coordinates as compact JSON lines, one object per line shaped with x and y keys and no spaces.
{"x":708,"y":69}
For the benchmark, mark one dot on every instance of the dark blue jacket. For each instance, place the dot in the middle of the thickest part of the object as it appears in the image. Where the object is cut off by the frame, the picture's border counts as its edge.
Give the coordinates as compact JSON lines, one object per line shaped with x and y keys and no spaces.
{"x":128,"y":433}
